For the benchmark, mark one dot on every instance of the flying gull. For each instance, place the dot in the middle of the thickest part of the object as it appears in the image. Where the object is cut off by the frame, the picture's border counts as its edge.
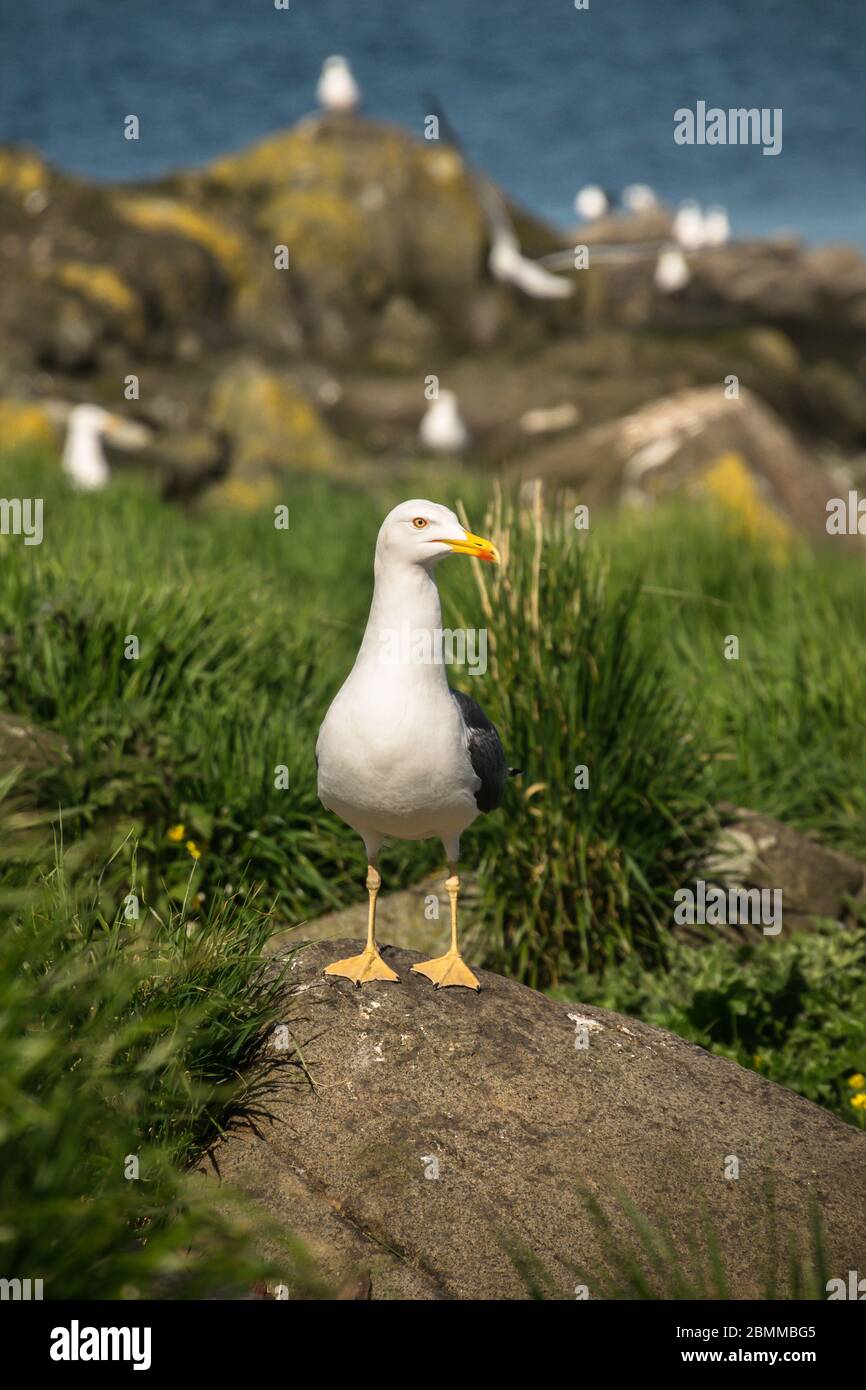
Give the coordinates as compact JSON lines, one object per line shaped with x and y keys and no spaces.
{"x":506,"y":262}
{"x":399,"y":753}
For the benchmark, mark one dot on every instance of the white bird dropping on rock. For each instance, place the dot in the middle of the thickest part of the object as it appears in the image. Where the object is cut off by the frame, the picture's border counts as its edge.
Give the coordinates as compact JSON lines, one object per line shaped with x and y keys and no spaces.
{"x":442,"y":429}
{"x":591,"y":202}
{"x":337,"y":89}
{"x":672,"y":270}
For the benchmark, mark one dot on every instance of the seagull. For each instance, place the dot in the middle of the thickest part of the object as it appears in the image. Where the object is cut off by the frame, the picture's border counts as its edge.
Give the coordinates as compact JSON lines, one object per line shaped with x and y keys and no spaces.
{"x":689,"y":228}
{"x":717,"y":227}
{"x":84,"y":460}
{"x":337,"y":89}
{"x":506,"y":261}
{"x":638,"y":198}
{"x":442,"y":429}
{"x":672,"y":270}
{"x":399,"y":753}
{"x":591,"y":202}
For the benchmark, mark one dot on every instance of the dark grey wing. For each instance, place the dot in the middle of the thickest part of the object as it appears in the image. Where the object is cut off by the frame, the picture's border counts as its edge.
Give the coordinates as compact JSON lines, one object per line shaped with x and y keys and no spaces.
{"x":485,"y":752}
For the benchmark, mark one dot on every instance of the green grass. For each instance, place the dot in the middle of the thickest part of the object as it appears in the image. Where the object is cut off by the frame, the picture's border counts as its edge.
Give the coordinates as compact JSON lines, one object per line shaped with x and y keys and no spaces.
{"x":577,"y":682}
{"x":127,"y":1044}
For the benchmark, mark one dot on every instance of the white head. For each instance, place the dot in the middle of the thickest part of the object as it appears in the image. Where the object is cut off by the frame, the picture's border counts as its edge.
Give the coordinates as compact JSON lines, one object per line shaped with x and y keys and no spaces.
{"x":90,"y":419}
{"x":93,"y":420}
{"x":423,"y":533}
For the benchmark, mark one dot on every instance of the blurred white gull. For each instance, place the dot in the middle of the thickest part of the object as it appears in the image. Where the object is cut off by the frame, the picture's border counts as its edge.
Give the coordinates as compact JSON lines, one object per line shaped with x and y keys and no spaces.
{"x":337,"y":89}
{"x":506,"y":261}
{"x":84,"y":461}
{"x":717,"y":227}
{"x":442,"y":429}
{"x":638,"y":198}
{"x":672,"y":270}
{"x":591,"y":202}
{"x":689,"y":228}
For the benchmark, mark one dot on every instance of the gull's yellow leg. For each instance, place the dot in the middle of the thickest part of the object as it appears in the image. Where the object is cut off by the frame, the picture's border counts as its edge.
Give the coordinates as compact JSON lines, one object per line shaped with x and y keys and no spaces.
{"x":369,"y":965}
{"x":449,"y":969}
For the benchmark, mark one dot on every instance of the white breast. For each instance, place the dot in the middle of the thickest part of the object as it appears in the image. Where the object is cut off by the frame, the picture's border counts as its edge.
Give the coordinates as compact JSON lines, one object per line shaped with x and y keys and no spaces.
{"x":392,"y":755}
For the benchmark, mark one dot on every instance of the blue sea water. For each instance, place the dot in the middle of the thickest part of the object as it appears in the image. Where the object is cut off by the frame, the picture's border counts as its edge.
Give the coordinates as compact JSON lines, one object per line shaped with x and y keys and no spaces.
{"x":546,"y":97}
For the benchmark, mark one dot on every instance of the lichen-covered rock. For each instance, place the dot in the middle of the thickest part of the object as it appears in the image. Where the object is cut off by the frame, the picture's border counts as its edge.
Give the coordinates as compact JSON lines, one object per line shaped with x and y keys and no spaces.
{"x":273,"y":430}
{"x":26,"y":425}
{"x":367,"y":214}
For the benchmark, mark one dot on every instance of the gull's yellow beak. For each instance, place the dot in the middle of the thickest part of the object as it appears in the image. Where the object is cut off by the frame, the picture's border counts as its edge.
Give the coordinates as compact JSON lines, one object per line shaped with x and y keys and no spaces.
{"x":477,"y":546}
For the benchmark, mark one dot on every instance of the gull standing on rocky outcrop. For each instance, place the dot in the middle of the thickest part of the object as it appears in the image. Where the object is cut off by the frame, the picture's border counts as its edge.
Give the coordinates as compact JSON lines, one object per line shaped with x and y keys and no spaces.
{"x":638,"y":198}
{"x":591,"y":202}
{"x":442,"y":429}
{"x":717,"y":227}
{"x":337,"y":89}
{"x":689,"y":228}
{"x":401,"y":755}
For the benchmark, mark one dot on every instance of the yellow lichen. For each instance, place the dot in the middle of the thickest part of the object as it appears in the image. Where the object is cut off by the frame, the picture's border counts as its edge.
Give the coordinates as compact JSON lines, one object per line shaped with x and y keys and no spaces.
{"x":167,"y":215}
{"x":102,"y":285}
{"x":274,"y":430}
{"x":729,"y":481}
{"x":21,"y":173}
{"x":243,"y":494}
{"x":320,"y":229}
{"x":24,"y":425}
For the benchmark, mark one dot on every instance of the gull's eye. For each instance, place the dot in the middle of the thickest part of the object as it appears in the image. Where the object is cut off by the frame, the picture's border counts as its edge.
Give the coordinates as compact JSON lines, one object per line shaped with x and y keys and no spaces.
{"x":419,"y":522}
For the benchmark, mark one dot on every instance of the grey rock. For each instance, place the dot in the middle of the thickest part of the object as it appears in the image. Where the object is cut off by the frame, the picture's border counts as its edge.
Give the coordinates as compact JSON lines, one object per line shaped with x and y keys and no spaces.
{"x":492,"y":1086}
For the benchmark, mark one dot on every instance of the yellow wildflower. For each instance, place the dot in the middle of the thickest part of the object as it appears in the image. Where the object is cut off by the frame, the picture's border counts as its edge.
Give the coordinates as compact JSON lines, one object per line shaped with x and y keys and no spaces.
{"x":193,"y":849}
{"x":857,"y":1082}
{"x":176,"y":833}
{"x":859,"y":1101}
{"x":757,"y":1059}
